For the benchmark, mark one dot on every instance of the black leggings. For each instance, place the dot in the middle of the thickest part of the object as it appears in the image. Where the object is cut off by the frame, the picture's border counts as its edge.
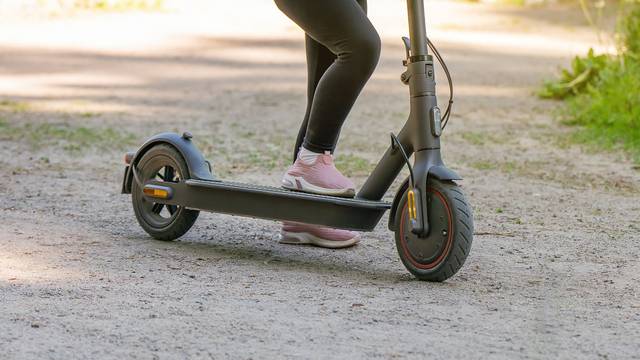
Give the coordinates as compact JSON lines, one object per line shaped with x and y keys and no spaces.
{"x":342,"y":51}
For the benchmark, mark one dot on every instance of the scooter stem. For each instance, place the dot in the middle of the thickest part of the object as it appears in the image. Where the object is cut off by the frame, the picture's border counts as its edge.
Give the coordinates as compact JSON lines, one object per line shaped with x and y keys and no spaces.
{"x":417,"y":27}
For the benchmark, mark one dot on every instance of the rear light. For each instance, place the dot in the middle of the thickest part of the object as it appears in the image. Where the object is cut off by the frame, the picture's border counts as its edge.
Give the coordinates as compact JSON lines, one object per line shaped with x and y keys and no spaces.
{"x":128,"y":157}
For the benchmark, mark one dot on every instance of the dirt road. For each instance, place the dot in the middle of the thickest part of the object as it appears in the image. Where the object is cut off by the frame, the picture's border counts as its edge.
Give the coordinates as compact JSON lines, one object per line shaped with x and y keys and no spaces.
{"x":553,"y":273}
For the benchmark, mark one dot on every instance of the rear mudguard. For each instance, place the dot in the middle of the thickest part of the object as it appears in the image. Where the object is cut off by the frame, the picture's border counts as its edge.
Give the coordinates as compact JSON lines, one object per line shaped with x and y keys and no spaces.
{"x":199,"y":168}
{"x":439,"y":172}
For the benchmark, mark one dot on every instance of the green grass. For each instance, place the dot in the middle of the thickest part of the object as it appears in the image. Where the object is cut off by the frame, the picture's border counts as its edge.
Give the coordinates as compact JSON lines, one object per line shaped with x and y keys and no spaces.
{"x":583,"y":73}
{"x":14,"y":106}
{"x":608,"y":113}
{"x":353,"y":165}
{"x":602,"y":93}
{"x":483,"y":165}
{"x":474,"y":138}
{"x":267,"y":159}
{"x":480,"y":138}
{"x":264,"y":150}
{"x":272,"y":159}
{"x":521,"y":168}
{"x":556,"y":170}
{"x":69,"y":137}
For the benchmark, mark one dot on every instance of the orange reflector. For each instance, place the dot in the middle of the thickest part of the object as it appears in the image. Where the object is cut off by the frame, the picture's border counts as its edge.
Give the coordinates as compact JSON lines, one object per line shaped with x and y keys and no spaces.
{"x":411,"y":205}
{"x":157,"y":192}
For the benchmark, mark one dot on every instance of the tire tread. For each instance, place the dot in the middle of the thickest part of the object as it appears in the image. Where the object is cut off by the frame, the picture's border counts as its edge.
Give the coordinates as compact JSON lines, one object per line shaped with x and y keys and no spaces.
{"x":185,"y":220}
{"x":463,"y":236}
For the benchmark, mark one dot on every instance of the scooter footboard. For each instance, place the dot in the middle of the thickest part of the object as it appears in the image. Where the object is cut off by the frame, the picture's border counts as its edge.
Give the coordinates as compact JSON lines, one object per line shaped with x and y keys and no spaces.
{"x":272,"y":203}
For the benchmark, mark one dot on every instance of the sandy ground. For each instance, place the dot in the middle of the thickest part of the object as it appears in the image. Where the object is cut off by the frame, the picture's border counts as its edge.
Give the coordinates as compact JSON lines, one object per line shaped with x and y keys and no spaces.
{"x":553,"y":272}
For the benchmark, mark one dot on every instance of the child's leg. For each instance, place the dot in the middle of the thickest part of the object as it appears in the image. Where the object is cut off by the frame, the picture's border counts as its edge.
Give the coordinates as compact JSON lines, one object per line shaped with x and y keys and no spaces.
{"x":319,"y":58}
{"x":341,"y":26}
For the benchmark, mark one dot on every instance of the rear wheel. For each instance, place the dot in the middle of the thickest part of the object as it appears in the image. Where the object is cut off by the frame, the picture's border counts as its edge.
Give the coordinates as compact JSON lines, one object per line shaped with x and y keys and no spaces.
{"x":440,"y":254}
{"x":163,"y":222}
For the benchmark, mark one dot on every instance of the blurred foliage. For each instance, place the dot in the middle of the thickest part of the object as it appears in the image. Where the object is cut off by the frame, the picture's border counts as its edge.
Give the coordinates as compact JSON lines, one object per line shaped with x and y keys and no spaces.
{"x":584,"y":71}
{"x":609,"y":111}
{"x":602,"y":92}
{"x":630,"y":32}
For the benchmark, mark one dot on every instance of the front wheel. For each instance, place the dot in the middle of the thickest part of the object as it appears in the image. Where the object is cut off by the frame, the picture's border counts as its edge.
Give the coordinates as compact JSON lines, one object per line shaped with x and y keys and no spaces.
{"x":440,"y":254}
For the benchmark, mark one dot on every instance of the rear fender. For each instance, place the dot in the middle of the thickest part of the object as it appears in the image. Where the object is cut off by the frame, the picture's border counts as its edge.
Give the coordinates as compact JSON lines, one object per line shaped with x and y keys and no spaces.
{"x":199,"y":168}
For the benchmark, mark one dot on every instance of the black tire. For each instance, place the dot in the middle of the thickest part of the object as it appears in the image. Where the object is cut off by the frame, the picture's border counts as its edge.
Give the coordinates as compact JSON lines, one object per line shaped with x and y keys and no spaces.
{"x":442,"y":253}
{"x":163,"y":222}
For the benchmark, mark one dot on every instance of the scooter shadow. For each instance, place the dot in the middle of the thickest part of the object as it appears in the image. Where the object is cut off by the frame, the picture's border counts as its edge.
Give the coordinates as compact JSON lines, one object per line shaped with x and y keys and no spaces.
{"x":354,"y":263}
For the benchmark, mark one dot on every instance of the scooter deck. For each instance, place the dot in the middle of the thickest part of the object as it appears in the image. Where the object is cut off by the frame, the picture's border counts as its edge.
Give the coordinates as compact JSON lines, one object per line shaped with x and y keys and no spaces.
{"x":275,"y":203}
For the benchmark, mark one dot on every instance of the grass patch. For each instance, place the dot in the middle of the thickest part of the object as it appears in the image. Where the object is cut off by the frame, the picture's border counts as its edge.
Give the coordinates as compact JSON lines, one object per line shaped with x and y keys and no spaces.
{"x":267,"y":159}
{"x":238,"y":150}
{"x":69,"y":137}
{"x":602,"y":93}
{"x":479,"y":138}
{"x":583,"y":72}
{"x":474,"y":138}
{"x":608,"y":115}
{"x":14,"y":106}
{"x":483,"y":165}
{"x":555,"y":170}
{"x":272,"y":159}
{"x":88,"y":114}
{"x":353,"y":165}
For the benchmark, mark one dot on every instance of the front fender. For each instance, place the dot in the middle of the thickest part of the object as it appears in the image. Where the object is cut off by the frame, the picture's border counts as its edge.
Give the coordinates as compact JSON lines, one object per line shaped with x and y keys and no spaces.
{"x":443,"y":173}
{"x":198,"y":167}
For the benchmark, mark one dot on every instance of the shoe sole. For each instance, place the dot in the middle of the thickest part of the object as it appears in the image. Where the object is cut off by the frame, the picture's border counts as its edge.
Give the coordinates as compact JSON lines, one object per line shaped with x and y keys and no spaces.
{"x":302,"y":238}
{"x":297,"y":183}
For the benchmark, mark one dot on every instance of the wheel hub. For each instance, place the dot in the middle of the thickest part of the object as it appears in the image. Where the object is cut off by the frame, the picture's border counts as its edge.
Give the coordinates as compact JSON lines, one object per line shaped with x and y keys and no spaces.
{"x":427,"y":251}
{"x":159,"y":169}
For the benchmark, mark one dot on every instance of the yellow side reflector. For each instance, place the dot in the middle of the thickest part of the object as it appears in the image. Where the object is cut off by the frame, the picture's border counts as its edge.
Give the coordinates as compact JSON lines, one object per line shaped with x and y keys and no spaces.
{"x":411,"y":200}
{"x":156,"y":192}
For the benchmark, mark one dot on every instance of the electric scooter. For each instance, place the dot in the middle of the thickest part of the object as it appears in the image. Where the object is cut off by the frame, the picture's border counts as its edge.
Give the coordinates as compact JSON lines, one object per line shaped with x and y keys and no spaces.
{"x":170,"y":181}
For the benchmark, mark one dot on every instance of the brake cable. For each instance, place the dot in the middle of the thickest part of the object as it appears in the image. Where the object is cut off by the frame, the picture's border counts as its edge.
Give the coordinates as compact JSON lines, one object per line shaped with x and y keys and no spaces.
{"x":396,"y":143}
{"x":447,"y":113}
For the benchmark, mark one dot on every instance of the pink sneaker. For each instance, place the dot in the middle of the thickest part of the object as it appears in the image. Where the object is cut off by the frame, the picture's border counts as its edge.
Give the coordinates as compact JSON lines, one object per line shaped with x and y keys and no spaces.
{"x":321,"y":177}
{"x":299,"y":234}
